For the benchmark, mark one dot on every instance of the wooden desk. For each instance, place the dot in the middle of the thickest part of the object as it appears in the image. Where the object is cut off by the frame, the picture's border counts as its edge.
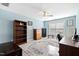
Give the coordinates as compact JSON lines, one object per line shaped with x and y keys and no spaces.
{"x":68,"y":49}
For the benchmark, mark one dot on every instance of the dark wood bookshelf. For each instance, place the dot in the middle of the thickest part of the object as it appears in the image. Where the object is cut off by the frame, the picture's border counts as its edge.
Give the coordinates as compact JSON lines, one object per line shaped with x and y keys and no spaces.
{"x":19,"y":32}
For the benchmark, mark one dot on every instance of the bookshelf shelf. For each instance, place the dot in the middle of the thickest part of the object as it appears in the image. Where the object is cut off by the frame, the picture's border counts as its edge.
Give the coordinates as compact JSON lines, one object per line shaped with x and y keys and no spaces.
{"x":19,"y":32}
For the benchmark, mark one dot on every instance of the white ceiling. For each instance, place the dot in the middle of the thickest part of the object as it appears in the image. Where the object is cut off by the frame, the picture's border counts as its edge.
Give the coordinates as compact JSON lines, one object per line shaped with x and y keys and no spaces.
{"x":58,"y":10}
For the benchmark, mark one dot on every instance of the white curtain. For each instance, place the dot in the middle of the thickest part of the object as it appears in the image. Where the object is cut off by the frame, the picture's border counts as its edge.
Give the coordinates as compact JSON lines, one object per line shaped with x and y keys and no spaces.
{"x":55,"y":28}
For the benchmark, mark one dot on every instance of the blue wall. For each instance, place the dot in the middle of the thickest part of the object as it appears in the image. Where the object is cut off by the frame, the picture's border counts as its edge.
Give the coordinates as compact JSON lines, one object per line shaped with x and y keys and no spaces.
{"x":6,"y":24}
{"x":77,"y":23}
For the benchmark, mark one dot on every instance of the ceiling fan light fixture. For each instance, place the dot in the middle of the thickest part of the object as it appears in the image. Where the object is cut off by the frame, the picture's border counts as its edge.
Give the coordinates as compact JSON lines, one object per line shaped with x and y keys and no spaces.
{"x":46,"y":14}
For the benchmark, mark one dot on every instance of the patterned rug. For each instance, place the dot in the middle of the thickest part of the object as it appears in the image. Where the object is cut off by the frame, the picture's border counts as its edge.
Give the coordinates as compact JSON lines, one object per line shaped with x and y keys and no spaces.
{"x":43,"y":47}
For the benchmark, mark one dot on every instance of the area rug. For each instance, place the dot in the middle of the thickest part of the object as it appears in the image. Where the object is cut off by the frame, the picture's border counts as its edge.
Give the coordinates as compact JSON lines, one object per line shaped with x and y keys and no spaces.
{"x":43,"y":47}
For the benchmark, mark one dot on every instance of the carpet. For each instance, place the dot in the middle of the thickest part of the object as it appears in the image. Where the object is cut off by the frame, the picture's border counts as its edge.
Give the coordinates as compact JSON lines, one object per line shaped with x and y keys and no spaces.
{"x":43,"y":47}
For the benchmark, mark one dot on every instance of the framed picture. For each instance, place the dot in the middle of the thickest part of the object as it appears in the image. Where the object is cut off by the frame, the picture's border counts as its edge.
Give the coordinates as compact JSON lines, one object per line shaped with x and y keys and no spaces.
{"x":30,"y":23}
{"x":70,"y":22}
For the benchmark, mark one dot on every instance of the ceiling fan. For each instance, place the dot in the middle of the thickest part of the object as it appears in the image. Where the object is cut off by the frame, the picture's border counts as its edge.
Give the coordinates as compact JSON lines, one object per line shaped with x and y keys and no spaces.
{"x":46,"y":14}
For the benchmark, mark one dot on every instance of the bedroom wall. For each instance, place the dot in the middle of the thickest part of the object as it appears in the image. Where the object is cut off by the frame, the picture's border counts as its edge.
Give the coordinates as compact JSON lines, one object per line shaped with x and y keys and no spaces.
{"x":6,"y":24}
{"x":70,"y":26}
{"x":77,"y":23}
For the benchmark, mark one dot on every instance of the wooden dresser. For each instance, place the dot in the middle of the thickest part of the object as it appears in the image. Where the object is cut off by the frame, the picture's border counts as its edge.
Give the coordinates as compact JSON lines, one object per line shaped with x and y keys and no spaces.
{"x":36,"y":34}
